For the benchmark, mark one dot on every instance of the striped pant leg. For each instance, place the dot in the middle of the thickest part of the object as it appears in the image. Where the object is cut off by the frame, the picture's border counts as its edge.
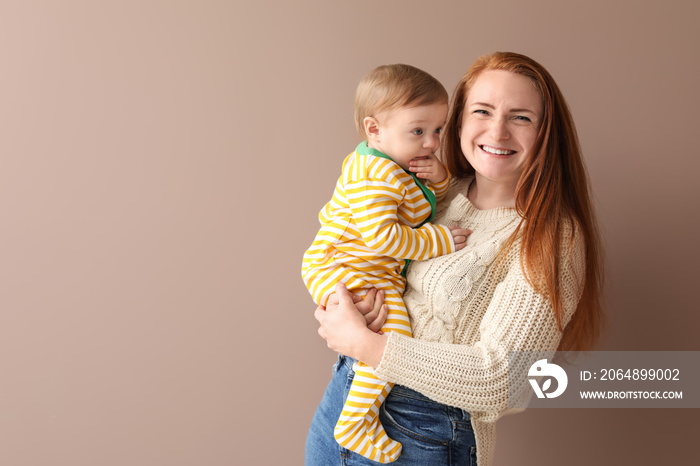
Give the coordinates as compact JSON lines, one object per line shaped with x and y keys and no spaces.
{"x":358,"y":428}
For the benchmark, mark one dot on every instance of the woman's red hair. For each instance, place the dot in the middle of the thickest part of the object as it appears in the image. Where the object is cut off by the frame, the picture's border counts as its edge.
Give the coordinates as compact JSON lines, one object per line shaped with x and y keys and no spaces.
{"x":553,"y":190}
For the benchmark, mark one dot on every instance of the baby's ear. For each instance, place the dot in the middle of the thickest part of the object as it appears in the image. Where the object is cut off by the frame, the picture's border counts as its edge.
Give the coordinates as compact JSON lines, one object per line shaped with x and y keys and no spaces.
{"x":371,"y":128}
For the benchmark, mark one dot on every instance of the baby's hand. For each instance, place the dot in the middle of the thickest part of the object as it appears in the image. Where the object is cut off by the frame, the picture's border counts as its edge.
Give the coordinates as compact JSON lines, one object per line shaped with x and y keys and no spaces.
{"x":460,"y":237}
{"x":428,"y":168}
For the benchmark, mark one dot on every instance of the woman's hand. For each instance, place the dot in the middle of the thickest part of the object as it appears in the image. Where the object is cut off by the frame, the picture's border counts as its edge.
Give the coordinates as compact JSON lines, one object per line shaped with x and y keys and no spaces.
{"x":345,"y":328}
{"x":371,"y":306}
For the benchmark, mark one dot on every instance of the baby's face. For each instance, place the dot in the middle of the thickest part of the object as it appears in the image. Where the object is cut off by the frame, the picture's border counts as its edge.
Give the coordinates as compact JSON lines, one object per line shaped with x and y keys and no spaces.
{"x":406,"y":133}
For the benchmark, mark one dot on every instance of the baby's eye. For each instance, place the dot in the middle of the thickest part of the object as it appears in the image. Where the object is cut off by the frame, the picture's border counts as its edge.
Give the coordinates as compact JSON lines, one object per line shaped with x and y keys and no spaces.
{"x":438,"y":131}
{"x":417,"y":131}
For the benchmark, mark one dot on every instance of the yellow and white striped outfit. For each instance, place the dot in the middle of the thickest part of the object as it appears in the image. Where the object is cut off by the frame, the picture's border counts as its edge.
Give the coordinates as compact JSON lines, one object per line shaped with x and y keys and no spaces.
{"x":371,"y":228}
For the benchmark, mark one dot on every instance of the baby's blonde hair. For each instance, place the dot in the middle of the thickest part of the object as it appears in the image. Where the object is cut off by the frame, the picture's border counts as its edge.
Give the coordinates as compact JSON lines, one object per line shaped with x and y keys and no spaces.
{"x":389,"y":87}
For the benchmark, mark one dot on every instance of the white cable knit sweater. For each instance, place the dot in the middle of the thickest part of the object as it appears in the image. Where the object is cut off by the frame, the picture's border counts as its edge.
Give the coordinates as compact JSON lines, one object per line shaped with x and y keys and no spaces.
{"x":467,"y":316}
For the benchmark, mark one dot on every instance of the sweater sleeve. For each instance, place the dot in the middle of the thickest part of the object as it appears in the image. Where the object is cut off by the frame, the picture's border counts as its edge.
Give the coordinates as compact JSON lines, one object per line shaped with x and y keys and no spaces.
{"x":374,"y":205}
{"x":476,"y":377}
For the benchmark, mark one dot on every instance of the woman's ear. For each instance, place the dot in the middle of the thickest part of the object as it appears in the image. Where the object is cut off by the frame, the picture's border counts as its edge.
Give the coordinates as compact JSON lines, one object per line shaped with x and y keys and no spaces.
{"x":371,"y":129}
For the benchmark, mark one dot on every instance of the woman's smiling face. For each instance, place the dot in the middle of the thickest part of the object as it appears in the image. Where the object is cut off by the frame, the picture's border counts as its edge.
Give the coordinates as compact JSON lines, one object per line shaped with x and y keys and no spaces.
{"x":501,"y":119}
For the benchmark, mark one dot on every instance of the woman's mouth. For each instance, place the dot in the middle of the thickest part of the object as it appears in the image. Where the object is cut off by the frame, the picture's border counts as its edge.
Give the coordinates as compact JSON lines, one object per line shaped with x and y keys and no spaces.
{"x":496,"y":151}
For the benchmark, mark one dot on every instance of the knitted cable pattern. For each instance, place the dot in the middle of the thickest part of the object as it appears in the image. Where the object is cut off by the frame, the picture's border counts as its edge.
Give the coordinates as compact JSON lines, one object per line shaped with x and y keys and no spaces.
{"x":467,"y":315}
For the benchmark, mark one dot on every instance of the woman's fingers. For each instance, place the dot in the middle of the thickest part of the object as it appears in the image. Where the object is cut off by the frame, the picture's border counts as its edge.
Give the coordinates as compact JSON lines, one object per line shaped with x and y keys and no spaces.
{"x":333,"y":299}
{"x":366,"y":304}
{"x":373,"y":306}
{"x":344,"y":296}
{"x":377,"y":316}
{"x":378,"y":323}
{"x":356,"y":298}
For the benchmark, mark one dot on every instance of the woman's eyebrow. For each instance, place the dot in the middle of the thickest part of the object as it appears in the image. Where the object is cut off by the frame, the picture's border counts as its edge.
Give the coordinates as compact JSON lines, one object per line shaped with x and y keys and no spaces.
{"x":512,"y":110}
{"x":518,"y":110}
{"x":482,"y":104}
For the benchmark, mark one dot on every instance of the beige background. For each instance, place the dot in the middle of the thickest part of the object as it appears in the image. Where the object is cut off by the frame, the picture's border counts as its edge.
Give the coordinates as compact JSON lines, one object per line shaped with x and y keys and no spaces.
{"x":162,"y":164}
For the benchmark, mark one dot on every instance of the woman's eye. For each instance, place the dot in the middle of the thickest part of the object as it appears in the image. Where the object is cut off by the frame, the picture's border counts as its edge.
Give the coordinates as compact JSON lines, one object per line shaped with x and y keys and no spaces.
{"x":481,"y":112}
{"x":417,"y":132}
{"x":522,"y":118}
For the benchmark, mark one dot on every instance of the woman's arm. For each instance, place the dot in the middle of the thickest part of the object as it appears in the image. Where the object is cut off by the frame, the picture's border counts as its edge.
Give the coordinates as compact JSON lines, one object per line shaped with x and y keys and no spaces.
{"x":483,"y":377}
{"x":472,"y":377}
{"x":347,"y":331}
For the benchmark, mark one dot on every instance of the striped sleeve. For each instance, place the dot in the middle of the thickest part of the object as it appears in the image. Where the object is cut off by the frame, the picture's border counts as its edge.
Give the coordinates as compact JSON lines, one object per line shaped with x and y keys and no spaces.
{"x":374,"y":202}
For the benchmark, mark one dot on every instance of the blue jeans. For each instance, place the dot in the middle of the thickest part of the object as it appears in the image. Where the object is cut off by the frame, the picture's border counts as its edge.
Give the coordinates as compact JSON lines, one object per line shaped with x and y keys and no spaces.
{"x":431,"y":433}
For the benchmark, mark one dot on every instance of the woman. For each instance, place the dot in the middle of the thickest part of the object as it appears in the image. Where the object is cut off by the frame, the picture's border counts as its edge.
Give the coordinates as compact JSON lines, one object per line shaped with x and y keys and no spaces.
{"x":528,"y":280}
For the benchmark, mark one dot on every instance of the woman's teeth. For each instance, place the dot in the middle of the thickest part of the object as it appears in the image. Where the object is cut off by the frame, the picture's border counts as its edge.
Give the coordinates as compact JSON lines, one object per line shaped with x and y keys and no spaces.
{"x":495,"y":151}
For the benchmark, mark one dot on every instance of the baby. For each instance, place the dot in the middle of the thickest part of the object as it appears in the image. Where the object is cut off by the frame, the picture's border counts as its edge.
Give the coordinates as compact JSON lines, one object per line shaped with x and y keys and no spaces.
{"x":377,"y":222}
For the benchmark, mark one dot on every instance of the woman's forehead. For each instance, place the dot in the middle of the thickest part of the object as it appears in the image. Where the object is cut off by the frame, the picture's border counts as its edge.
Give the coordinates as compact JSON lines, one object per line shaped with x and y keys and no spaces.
{"x":504,"y":88}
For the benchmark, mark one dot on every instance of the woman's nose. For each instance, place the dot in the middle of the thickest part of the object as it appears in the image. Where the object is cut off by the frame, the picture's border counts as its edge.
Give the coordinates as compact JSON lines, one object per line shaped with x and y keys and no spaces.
{"x":499,"y":129}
